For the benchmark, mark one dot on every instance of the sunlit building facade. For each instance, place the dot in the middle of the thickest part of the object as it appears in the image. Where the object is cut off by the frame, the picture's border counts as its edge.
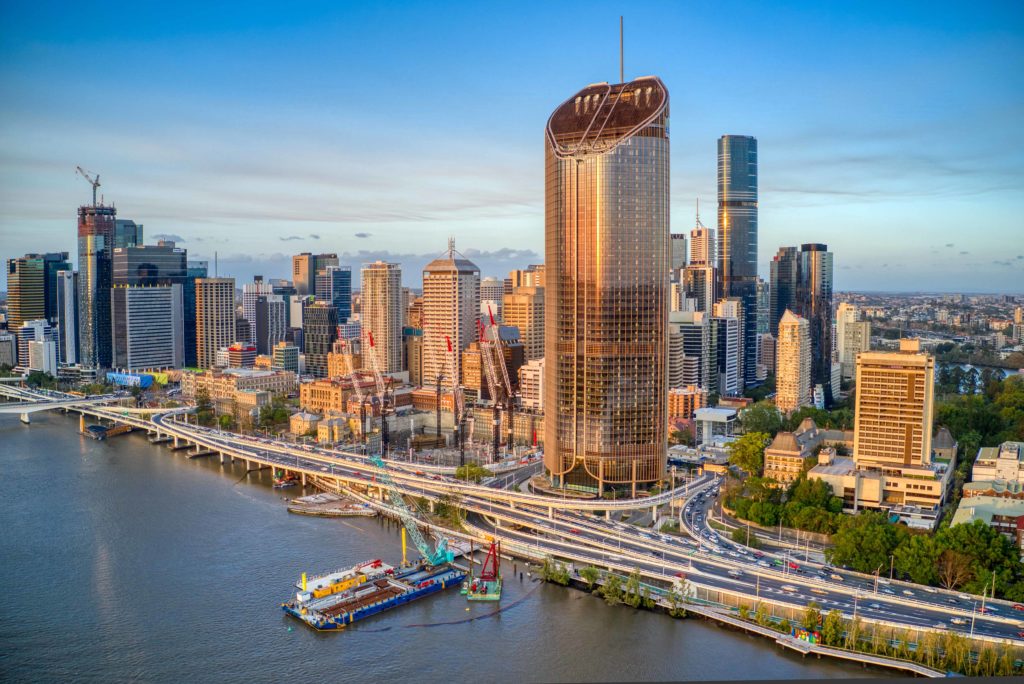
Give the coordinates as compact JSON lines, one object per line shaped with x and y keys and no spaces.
{"x":607,"y":280}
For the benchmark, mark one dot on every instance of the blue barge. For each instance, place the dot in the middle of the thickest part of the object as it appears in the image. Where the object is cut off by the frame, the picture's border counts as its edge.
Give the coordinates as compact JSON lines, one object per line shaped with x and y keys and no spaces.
{"x":371,"y":591}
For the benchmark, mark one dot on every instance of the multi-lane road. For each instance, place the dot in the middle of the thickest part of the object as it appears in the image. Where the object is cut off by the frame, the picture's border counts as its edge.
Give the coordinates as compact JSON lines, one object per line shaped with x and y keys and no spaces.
{"x":580,"y":530}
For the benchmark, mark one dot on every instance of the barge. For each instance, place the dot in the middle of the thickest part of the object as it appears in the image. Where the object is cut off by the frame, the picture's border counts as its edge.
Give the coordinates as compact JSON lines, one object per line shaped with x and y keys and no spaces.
{"x":341,"y":598}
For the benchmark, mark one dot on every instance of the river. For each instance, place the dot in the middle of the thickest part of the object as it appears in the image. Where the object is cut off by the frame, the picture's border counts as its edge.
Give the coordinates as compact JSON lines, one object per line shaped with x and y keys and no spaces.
{"x":122,"y":560}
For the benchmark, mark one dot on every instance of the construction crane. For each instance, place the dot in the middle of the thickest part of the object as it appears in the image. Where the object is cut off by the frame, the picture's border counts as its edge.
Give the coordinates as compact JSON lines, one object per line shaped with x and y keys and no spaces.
{"x":358,"y":390}
{"x":385,"y":409}
{"x":458,"y":403}
{"x":436,"y":556}
{"x":94,"y":182}
{"x":508,"y":398}
{"x":492,"y":388}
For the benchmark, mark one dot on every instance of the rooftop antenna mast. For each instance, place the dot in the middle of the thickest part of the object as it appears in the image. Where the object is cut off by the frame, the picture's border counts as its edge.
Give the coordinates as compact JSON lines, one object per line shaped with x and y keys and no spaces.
{"x":94,"y":182}
{"x":622,"y":59}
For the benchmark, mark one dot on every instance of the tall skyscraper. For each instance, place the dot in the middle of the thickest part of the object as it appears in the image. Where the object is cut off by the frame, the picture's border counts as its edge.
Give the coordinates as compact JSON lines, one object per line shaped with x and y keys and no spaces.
{"x":215,"y":318}
{"x":382,"y":312}
{"x":793,"y":364}
{"x":269,"y":325}
{"x":894,"y":407}
{"x":699,"y":285}
{"x":702,"y":246}
{"x":524,"y":309}
{"x":148,"y":326}
{"x":334,"y":285}
{"x":161,"y":264}
{"x":814,"y":302}
{"x":319,"y":331}
{"x":32,"y":287}
{"x":737,"y":235}
{"x":677,"y":258}
{"x":250,"y":293}
{"x":36,"y":339}
{"x":95,"y":252}
{"x":607,"y":286}
{"x":451,"y":308}
{"x":305,"y":266}
{"x":728,"y":320}
{"x":693,"y":351}
{"x":67,"y":317}
{"x":782,"y":290}
{"x":193,"y":270}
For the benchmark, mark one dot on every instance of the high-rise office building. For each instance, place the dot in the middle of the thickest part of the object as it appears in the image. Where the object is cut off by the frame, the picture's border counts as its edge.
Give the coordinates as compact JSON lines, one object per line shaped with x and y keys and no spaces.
{"x":319,"y":331}
{"x":250,"y":293}
{"x":814,"y":302}
{"x":8,"y":349}
{"x":95,"y":253}
{"x":148,"y":326}
{"x":285,"y":357}
{"x":737,"y":235}
{"x":699,"y":285}
{"x":38,"y":332}
{"x":728,"y":321}
{"x":193,"y":270}
{"x":492,"y":291}
{"x":677,"y":258}
{"x":607,"y":287}
{"x":766,"y":352}
{"x":334,"y":285}
{"x":269,"y":325}
{"x":793,"y":363}
{"x":894,"y":407}
{"x":305,"y":266}
{"x":382,"y":313}
{"x":32,"y":287}
{"x":782,"y":290}
{"x":702,"y":246}
{"x":127,"y":233}
{"x":524,"y":309}
{"x":764,"y":305}
{"x":161,"y":264}
{"x":67,"y":317}
{"x":451,"y":308}
{"x":215,"y":318}
{"x":531,"y":276}
{"x":693,"y":351}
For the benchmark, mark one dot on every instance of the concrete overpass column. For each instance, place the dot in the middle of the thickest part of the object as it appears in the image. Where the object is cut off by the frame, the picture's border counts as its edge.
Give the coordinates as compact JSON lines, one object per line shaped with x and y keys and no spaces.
{"x":303,"y":479}
{"x":431,"y":502}
{"x":654,"y":515}
{"x":81,"y":422}
{"x":607,"y":515}
{"x":25,"y":419}
{"x":222,"y":458}
{"x":175,"y":441}
{"x":551,"y":512}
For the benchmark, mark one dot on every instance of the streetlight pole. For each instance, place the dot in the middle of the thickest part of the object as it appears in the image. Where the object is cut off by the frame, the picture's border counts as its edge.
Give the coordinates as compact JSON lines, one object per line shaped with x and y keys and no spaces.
{"x":892,"y":558}
{"x":974,"y":612}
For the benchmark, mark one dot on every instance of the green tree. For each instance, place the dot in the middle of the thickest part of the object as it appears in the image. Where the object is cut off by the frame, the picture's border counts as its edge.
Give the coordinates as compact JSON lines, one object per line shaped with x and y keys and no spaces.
{"x":761,"y":615}
{"x":812,"y":617}
{"x":675,"y":603}
{"x":785,"y":627}
{"x":612,"y":589}
{"x":227,"y":422}
{"x":747,"y":452}
{"x":916,"y":559}
{"x":589,"y":575}
{"x":472,"y":472}
{"x":743,"y":535}
{"x":762,"y":416}
{"x":743,"y":612}
{"x":683,"y":436}
{"x":632,"y":592}
{"x":832,"y":628}
{"x":865,"y":541}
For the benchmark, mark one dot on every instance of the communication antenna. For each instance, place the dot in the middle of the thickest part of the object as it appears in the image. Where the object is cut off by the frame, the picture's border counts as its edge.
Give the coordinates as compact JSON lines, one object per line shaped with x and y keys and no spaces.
{"x":216,"y":273}
{"x":622,"y":59}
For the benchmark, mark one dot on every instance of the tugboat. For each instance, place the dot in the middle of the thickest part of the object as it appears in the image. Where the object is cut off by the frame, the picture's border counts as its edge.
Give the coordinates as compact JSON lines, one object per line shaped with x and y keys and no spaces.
{"x":486,"y":587}
{"x":281,"y":480}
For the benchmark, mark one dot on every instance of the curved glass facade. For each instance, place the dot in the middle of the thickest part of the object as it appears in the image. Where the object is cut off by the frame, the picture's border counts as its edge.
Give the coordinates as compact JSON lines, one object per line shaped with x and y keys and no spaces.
{"x":607,"y":280}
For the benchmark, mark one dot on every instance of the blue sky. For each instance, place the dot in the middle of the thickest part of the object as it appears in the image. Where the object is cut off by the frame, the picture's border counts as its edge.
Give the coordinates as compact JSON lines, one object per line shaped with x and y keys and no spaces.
{"x":890,"y":131}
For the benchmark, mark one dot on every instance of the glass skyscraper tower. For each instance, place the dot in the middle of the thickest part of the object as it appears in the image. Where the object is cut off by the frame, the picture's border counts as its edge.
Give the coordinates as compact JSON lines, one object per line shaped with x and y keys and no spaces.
{"x":607,"y":282}
{"x":737,"y":236}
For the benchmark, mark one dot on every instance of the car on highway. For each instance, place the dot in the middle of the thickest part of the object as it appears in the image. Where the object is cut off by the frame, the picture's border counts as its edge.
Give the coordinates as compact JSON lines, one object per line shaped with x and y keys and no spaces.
{"x":874,"y":606}
{"x":882,"y":580}
{"x":907,"y":592}
{"x":952,"y":601}
{"x":940,"y":625}
{"x":835,"y":577}
{"x":889,"y":591}
{"x":965,"y":597}
{"x":1021,"y":634}
{"x":958,"y":620}
{"x":763,"y":564}
{"x":816,"y":590}
{"x":788,"y":587}
{"x":733,"y":554}
{"x":573,"y":530}
{"x":1018,"y":606}
{"x":931,"y":590}
{"x":792,"y":565}
{"x":735,"y":573}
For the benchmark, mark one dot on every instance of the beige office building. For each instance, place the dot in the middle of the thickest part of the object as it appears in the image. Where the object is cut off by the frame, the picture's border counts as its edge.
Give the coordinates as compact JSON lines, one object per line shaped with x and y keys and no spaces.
{"x":793,"y":364}
{"x":853,"y":336}
{"x":895,"y":393}
{"x":524,"y":309}
{"x":215,"y":318}
{"x":451,"y":308}
{"x":381,"y":313}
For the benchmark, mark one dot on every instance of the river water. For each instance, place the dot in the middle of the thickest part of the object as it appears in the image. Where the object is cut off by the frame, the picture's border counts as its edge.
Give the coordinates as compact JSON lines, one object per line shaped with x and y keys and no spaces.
{"x":122,"y":560}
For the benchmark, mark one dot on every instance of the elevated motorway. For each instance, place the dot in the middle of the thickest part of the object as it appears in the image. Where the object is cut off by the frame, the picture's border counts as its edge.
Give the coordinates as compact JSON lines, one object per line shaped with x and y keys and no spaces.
{"x":563,"y":528}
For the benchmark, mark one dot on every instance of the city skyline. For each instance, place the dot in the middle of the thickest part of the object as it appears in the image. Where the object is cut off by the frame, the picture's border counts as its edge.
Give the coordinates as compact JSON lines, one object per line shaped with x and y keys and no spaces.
{"x":194,"y":159}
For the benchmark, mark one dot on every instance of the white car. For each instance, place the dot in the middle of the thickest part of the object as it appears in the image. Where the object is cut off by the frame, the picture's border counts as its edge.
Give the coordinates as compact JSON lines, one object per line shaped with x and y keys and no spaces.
{"x":788,"y":587}
{"x":763,"y":564}
{"x":907,"y":592}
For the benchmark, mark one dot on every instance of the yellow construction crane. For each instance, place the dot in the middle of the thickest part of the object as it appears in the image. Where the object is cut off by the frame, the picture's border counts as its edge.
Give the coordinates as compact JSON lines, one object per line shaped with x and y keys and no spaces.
{"x":94,"y":182}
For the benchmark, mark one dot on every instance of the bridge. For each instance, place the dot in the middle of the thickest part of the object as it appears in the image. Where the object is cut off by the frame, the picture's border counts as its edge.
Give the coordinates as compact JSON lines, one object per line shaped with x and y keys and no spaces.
{"x":539,"y":526}
{"x":30,"y":401}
